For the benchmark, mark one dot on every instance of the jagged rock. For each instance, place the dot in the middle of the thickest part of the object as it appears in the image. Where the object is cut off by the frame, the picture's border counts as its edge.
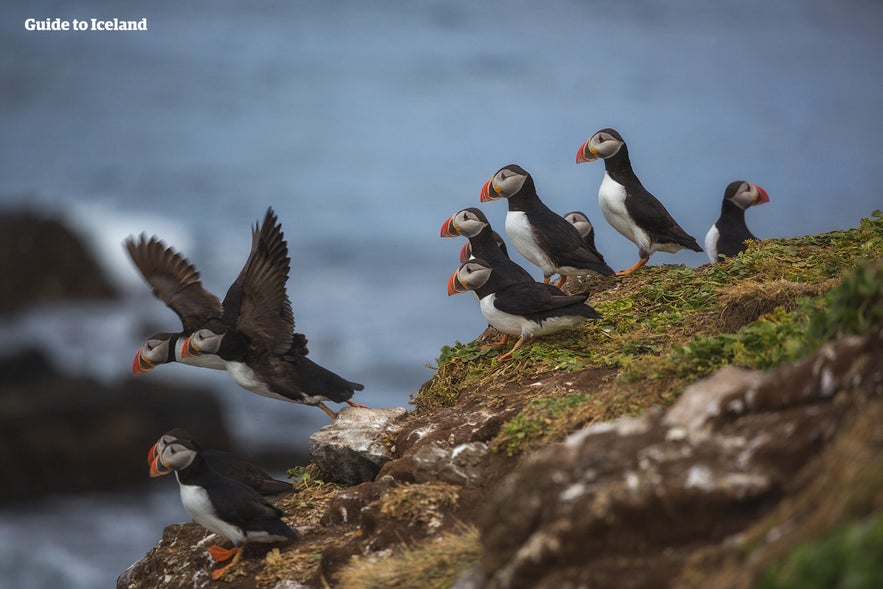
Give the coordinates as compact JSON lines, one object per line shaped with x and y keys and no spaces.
{"x":61,"y":433}
{"x":461,"y":465}
{"x":623,"y":504}
{"x":357,"y":444}
{"x":45,"y":262}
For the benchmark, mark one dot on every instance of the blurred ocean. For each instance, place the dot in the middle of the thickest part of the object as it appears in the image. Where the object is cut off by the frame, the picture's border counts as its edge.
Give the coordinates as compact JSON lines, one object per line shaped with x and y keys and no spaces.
{"x":365,"y":125}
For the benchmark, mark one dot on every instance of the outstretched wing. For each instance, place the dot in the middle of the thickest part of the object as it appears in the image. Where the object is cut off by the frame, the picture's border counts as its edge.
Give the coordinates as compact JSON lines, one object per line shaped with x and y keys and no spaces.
{"x":174,"y":281}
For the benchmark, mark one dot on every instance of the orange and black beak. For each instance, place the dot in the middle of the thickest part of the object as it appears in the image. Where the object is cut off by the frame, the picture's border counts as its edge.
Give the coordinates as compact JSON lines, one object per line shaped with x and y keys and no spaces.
{"x":454,"y":284}
{"x":151,"y":455}
{"x":762,"y":196}
{"x":189,"y":349}
{"x":465,"y":253}
{"x":489,"y":192}
{"x":449,"y":229}
{"x":586,"y":153}
{"x":157,"y":468}
{"x":140,"y":364}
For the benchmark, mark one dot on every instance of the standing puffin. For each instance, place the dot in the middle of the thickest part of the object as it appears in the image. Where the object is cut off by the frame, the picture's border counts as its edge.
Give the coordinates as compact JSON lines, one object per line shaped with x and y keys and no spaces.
{"x":472,"y":224}
{"x":728,"y":234}
{"x":225,"y":464}
{"x":540,"y":235}
{"x":255,"y":335}
{"x":526,"y":309}
{"x":175,"y":282}
{"x":220,"y":504}
{"x":627,"y":205}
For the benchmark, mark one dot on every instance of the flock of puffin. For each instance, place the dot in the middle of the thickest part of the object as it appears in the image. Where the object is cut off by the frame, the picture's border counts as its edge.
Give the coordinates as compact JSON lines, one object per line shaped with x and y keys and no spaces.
{"x":250,"y":334}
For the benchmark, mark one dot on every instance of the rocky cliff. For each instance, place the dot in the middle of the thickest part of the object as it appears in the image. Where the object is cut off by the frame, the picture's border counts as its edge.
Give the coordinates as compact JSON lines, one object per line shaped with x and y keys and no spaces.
{"x":719,"y":427}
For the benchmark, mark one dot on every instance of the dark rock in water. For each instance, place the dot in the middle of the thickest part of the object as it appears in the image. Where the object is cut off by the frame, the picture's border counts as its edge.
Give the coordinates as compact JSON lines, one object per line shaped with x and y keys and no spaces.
{"x":43,"y":261}
{"x":625,"y":504}
{"x":354,"y":448}
{"x":64,"y":435}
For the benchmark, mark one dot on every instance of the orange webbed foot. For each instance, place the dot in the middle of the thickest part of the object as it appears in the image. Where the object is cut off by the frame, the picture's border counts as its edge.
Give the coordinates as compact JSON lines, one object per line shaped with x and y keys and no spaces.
{"x":220,"y":554}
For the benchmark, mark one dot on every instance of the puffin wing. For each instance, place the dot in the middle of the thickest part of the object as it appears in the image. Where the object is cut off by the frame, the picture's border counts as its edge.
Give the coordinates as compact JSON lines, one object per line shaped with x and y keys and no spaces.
{"x":257,"y":302}
{"x":238,"y":503}
{"x":174,"y":281}
{"x":650,"y":214}
{"x":567,"y":246}
{"x":526,"y":298}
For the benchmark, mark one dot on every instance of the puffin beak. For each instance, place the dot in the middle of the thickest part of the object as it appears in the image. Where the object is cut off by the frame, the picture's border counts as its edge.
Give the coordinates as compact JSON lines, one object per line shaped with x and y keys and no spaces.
{"x":585,"y":153}
{"x":464,"y":253}
{"x":486,"y":194}
{"x":189,"y":349}
{"x":449,"y":229}
{"x":151,"y":455}
{"x":140,"y":364}
{"x":761,"y":197}
{"x":157,"y":469}
{"x":454,"y":284}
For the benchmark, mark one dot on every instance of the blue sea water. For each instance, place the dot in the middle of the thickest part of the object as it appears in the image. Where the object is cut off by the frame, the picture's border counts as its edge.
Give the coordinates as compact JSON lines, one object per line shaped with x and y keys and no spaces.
{"x":364,"y":125}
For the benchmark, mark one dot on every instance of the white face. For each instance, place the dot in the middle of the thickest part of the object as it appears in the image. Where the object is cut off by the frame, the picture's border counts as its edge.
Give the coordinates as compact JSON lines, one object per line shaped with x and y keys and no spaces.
{"x":581,"y":222}
{"x":473,"y":275}
{"x":176,"y":456}
{"x":745,"y":196}
{"x":468,"y":224}
{"x":506,"y":182}
{"x":205,"y":341}
{"x":604,"y":145}
{"x":156,"y":351}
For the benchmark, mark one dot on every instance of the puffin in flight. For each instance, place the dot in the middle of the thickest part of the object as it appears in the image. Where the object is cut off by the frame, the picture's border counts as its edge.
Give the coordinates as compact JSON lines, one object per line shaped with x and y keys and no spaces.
{"x":627,"y":205}
{"x":219,"y":504}
{"x":728,"y":234}
{"x":255,"y":335}
{"x":225,"y":464}
{"x":540,"y":235}
{"x":525,"y":309}
{"x":175,"y":282}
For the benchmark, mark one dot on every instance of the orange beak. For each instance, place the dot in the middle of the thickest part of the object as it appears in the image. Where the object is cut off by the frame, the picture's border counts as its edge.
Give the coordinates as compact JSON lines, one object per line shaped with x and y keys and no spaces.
{"x":585,"y":154}
{"x":157,"y":469}
{"x":141,"y":365}
{"x":465,"y":253}
{"x":188,"y":350}
{"x":454,"y":285}
{"x":448,"y":229}
{"x":151,"y":455}
{"x":487,"y":193}
{"x":762,"y":196}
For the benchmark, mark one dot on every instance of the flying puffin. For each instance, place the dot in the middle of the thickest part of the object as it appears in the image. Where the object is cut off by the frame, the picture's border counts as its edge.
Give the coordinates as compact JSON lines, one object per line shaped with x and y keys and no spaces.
{"x":627,"y":205}
{"x":175,"y":282}
{"x":728,"y":234}
{"x":540,"y":235}
{"x":225,"y":464}
{"x":581,"y":221}
{"x":219,"y":504}
{"x":255,"y":335}
{"x":526,"y":309}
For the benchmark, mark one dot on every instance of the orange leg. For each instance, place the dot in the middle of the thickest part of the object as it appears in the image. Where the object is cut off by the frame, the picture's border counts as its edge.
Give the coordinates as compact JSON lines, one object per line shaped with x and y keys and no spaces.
{"x":518,"y":345}
{"x":220,"y":554}
{"x":502,"y":341}
{"x":639,"y":264}
{"x":354,"y":404}
{"x":217,"y":573}
{"x":561,"y":281}
{"x":327,"y":411}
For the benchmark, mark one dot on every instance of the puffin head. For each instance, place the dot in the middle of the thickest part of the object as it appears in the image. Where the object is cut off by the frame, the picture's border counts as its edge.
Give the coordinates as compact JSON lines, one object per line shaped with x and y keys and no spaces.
{"x":471,"y":275}
{"x":507,"y":182}
{"x":202,"y":341}
{"x":580,"y":221}
{"x":605,"y":143}
{"x":745,"y":194}
{"x":167,"y":438}
{"x":468,"y":223}
{"x":155,"y":351}
{"x":175,"y":455}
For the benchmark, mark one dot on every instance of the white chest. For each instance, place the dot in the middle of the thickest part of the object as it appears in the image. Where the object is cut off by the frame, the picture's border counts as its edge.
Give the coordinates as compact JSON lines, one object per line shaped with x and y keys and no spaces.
{"x":522,"y":236}
{"x":197,"y":504}
{"x":611,"y":200}
{"x":711,"y":239}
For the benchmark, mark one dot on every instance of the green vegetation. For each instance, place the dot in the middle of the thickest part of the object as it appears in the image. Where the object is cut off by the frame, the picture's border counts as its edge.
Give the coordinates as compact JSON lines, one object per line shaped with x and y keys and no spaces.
{"x":848,"y":556}
{"x":535,"y":423}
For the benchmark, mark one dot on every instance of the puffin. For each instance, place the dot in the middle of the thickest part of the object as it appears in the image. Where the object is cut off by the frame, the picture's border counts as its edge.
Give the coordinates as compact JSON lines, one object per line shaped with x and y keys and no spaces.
{"x":526,"y":309}
{"x":629,"y":207}
{"x":174,"y":281}
{"x":540,"y":235}
{"x":585,"y":228}
{"x":472,"y":224}
{"x":466,"y":252}
{"x":220,"y":504}
{"x":255,"y":335}
{"x":728,"y":234}
{"x":225,"y":464}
